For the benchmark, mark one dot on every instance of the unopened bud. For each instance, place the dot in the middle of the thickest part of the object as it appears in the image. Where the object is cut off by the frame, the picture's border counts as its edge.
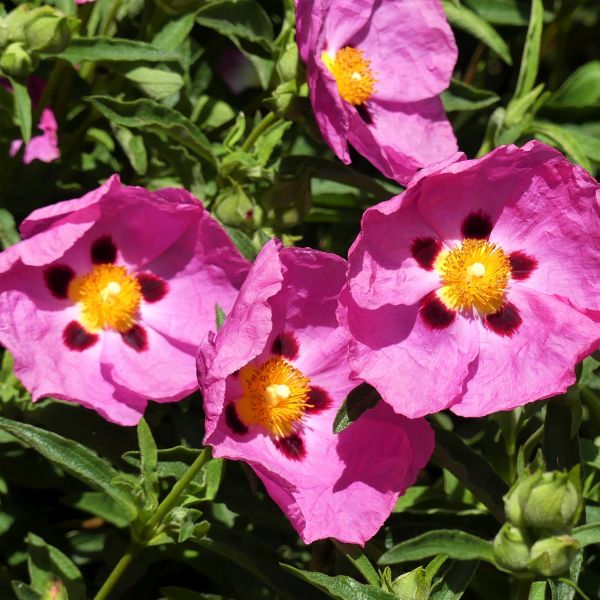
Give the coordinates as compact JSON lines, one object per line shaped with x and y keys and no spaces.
{"x":553,"y":556}
{"x":412,"y":585}
{"x":16,"y":21}
{"x":3,"y":34}
{"x":47,"y":30}
{"x":517,"y":495}
{"x":16,"y":61}
{"x":511,"y":549}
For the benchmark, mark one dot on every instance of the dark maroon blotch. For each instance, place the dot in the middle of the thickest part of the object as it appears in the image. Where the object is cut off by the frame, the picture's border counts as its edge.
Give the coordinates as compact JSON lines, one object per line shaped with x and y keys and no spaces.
{"x":505,"y":321}
{"x":136,"y":338}
{"x":318,"y":399}
{"x":77,"y":338}
{"x":104,"y":251}
{"x":285,"y":345}
{"x":425,"y":250}
{"x":58,"y":278}
{"x":521,"y":265}
{"x":477,"y":226}
{"x":435,"y":313}
{"x":153,"y":287}
{"x":291,"y":446}
{"x":233,"y":420}
{"x":364,"y":113}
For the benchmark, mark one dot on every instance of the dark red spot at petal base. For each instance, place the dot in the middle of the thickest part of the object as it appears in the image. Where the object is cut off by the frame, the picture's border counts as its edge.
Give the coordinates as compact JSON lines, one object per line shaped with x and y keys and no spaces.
{"x":136,"y":338}
{"x":285,"y":345}
{"x":104,"y":251}
{"x":504,"y":322}
{"x":477,"y":226}
{"x":153,"y":287}
{"x":291,"y":446}
{"x":318,"y":399}
{"x":364,"y":113}
{"x":435,"y":313}
{"x":58,"y":278}
{"x":77,"y":338}
{"x":233,"y":420}
{"x":521,"y":265}
{"x":425,"y":250}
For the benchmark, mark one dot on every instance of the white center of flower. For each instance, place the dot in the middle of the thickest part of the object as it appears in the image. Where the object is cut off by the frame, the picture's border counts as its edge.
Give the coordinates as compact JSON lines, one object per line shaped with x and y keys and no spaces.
{"x":356,"y":76}
{"x":277,"y":392}
{"x":477,"y":269}
{"x":112,"y":289}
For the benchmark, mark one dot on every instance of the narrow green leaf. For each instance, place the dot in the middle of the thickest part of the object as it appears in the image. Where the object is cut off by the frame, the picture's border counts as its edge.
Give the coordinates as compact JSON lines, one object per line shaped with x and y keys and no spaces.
{"x":99,"y":505}
{"x":340,"y":587}
{"x":149,"y":465}
{"x":8,"y":229}
{"x":74,"y":458}
{"x":24,"y":592}
{"x":242,"y":242}
{"x":465,"y":19}
{"x":22,"y":107}
{"x":537,"y":590}
{"x":462,"y":96}
{"x":360,"y":399}
{"x":560,"y":443}
{"x":564,"y":139}
{"x":155,"y":83}
{"x":587,"y":534}
{"x":107,"y":49}
{"x":472,"y":470}
{"x":151,"y":116}
{"x":360,"y":561}
{"x":219,"y":317}
{"x":531,"y":52}
{"x":456,"y":580}
{"x":581,"y":89}
{"x":174,"y":33}
{"x":269,"y":140}
{"x":455,"y":544}
{"x":134,"y":148}
{"x":565,"y":588}
{"x":502,"y":12}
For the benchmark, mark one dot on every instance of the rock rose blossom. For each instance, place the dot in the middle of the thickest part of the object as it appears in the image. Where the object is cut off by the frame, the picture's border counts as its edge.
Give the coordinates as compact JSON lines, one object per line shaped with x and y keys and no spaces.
{"x":108,"y":296}
{"x":477,"y":288}
{"x":273,"y":380}
{"x":375,"y":71}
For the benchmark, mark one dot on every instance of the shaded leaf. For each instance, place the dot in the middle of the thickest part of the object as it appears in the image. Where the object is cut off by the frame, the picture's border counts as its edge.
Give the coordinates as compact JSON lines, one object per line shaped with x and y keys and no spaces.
{"x":462,"y":96}
{"x":582,"y":88}
{"x":455,"y":581}
{"x":531,"y":52}
{"x":8,"y":229}
{"x":22,"y":107}
{"x":360,"y":399}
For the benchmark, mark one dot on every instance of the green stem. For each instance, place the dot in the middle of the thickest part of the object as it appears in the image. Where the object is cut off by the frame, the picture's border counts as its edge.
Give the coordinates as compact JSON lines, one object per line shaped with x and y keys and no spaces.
{"x":118,"y":571}
{"x":149,"y":530}
{"x":259,"y":130}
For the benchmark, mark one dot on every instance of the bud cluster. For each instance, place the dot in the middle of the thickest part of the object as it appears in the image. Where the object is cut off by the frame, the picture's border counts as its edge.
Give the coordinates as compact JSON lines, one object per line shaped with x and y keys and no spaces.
{"x":541,"y":510}
{"x":27,"y":31}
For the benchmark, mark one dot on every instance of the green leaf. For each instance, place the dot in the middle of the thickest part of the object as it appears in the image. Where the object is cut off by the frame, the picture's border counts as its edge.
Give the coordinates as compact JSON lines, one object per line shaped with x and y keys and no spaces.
{"x":472,"y":470}
{"x":360,"y":561}
{"x":537,"y":590}
{"x":455,"y":581}
{"x":134,"y":148}
{"x":100,"y":505}
{"x":561,"y":442}
{"x":587,"y":136}
{"x":178,"y":593}
{"x":462,"y":96}
{"x":74,"y":458}
{"x":566,"y":588}
{"x":502,"y":12}
{"x":174,"y":32}
{"x":242,"y":242}
{"x":25,"y":592}
{"x":531,"y":52}
{"x":219,"y":317}
{"x":581,"y":89}
{"x":360,"y":399}
{"x":265,"y":145}
{"x":49,"y":567}
{"x":587,"y":534}
{"x":564,"y":139}
{"x":151,"y":116}
{"x":8,"y":229}
{"x":155,"y":83}
{"x":238,"y":19}
{"x":455,"y":544}
{"x":107,"y":49}
{"x":340,"y":587}
{"x":22,"y":108}
{"x":148,"y":466}
{"x":468,"y":21}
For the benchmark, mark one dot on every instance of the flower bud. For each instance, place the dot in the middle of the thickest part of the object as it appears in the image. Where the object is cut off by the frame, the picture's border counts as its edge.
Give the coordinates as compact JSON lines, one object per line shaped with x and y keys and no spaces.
{"x":3,"y":34}
{"x":553,"y":556}
{"x":412,"y":585}
{"x":511,"y":549}
{"x":517,"y":495}
{"x":16,"y":20}
{"x":16,"y":61}
{"x":555,"y":503}
{"x":47,"y":30}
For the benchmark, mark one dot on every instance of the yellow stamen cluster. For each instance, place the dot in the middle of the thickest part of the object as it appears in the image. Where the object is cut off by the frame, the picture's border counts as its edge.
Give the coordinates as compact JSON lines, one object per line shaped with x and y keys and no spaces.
{"x":274,"y":396}
{"x":108,"y":298}
{"x":474,"y":275}
{"x":353,"y":75}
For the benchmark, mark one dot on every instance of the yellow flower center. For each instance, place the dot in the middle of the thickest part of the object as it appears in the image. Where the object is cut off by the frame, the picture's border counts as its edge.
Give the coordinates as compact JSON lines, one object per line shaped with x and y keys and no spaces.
{"x":274,"y":396}
{"x":353,"y":75}
{"x":474,"y":275}
{"x":108,"y":298}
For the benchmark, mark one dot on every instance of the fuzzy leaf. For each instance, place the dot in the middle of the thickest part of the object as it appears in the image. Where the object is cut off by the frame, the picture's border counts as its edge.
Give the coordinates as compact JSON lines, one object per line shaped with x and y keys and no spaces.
{"x":22,"y":108}
{"x":455,"y":581}
{"x":360,"y":399}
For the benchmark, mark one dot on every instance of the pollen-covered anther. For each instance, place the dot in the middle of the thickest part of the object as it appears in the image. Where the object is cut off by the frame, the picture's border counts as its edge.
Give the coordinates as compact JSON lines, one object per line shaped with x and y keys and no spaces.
{"x":353,"y":74}
{"x":108,"y":298}
{"x":474,"y":275}
{"x":275,"y":396}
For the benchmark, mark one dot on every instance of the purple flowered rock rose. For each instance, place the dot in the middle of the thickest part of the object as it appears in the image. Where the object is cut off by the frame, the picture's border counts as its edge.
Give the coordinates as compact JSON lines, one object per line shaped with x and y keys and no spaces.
{"x":375,"y":71}
{"x":273,"y":379}
{"x":477,"y":288}
{"x":107,"y":298}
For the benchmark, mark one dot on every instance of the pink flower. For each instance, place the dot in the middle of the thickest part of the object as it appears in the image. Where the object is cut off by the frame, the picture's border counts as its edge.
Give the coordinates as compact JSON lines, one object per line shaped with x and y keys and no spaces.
{"x":477,"y":288}
{"x":375,"y":70}
{"x":107,"y":298}
{"x":273,"y":380}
